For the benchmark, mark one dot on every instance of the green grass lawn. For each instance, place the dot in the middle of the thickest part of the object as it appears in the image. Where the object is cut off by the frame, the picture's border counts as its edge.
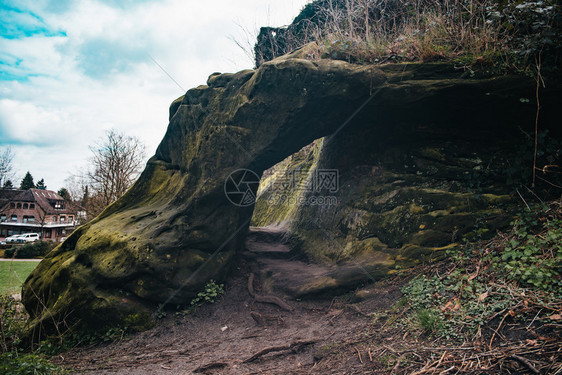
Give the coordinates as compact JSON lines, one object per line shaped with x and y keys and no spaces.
{"x":13,"y":274}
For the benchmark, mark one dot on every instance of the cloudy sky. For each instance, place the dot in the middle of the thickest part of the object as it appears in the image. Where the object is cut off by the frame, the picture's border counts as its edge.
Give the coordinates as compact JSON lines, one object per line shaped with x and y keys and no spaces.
{"x":72,"y":69}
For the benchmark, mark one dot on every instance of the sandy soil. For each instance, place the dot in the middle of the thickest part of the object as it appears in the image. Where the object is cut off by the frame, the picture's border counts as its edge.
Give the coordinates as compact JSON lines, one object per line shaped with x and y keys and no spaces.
{"x":223,"y":337}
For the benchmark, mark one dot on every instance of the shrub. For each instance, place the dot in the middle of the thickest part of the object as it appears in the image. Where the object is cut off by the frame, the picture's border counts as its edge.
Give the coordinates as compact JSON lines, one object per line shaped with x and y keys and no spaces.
{"x":12,"y":322}
{"x":36,"y":249}
{"x":12,"y":361}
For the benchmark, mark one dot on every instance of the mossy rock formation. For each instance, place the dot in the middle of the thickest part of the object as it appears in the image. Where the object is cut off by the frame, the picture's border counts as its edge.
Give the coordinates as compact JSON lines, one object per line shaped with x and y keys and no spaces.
{"x":403,"y":139}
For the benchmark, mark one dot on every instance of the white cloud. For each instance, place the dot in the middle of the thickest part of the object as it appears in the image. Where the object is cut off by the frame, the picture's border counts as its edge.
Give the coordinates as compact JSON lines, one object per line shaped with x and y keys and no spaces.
{"x":27,"y":123}
{"x":100,"y":75}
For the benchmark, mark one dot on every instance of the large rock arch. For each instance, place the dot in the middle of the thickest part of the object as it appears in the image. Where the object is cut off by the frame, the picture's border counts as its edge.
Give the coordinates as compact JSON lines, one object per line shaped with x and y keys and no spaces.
{"x":175,"y":228}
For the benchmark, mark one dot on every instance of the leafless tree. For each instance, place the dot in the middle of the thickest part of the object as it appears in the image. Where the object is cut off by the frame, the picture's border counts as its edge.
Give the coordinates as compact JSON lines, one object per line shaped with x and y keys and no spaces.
{"x":116,"y":163}
{"x":77,"y":187}
{"x":6,"y":165}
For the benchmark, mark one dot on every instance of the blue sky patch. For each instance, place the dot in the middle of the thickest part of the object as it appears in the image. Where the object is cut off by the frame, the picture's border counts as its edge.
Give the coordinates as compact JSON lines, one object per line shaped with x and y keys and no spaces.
{"x":6,"y":139}
{"x":99,"y":57}
{"x":125,"y":4}
{"x":20,"y":23}
{"x":11,"y":69}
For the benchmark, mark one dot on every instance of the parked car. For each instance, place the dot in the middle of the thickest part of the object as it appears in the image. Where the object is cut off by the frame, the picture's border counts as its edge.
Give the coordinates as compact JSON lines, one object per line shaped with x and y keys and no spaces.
{"x":13,"y":239}
{"x":29,"y":237}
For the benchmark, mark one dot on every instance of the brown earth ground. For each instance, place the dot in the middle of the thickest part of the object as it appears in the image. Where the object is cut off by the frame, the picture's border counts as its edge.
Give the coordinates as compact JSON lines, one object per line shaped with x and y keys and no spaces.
{"x":365,"y":331}
{"x":319,"y":336}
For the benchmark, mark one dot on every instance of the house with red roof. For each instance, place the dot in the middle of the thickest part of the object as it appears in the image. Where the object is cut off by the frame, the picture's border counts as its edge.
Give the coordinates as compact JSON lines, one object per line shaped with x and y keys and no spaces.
{"x":36,"y":211}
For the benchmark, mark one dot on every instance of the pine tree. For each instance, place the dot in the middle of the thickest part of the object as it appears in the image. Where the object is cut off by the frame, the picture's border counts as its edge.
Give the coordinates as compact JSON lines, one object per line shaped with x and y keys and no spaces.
{"x":63,"y":192}
{"x":8,"y":184}
{"x":41,"y":184}
{"x":27,"y":182}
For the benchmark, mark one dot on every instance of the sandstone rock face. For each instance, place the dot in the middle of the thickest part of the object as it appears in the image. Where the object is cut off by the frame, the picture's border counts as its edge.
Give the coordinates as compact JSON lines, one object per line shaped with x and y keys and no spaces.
{"x":414,"y":181}
{"x":403,"y":139}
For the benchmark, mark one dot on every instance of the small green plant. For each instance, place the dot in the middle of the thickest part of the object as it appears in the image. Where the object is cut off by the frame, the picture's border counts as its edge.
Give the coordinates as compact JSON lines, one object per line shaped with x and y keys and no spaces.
{"x":210,"y":294}
{"x":429,"y":320}
{"x":529,"y":258}
{"x":15,"y":363}
{"x":137,"y":323}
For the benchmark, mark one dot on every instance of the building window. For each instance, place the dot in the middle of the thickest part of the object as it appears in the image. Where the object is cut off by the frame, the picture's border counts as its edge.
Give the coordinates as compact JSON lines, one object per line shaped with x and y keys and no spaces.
{"x":12,"y":205}
{"x":2,"y":217}
{"x":2,"y":232}
{"x":70,"y":218}
{"x":62,"y":218}
{"x":31,"y":206}
{"x":29,"y":219}
{"x":18,"y":205}
{"x":14,"y":218}
{"x":54,"y":219}
{"x":48,"y":233}
{"x":25,"y":206}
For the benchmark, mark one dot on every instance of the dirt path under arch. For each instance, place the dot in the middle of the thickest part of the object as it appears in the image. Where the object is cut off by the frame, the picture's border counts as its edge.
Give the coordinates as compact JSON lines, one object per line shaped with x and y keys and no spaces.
{"x":239,"y":335}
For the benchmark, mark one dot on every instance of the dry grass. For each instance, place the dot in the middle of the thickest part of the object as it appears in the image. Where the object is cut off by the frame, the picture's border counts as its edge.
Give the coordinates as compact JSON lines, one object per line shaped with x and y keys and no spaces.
{"x":377,"y":30}
{"x":485,"y":32}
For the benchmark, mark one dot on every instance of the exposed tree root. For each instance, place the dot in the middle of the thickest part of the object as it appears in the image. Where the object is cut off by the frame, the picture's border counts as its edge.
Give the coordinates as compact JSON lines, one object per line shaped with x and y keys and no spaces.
{"x":289,"y":348}
{"x":210,"y":366}
{"x":266,"y":298}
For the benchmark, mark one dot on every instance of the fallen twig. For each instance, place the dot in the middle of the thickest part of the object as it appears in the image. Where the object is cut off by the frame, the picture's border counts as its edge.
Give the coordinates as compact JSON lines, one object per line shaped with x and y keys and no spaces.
{"x":358,"y":311}
{"x":291,"y":347}
{"x":496,"y":330}
{"x":359,"y":354}
{"x":526,"y":362}
{"x":209,"y":366}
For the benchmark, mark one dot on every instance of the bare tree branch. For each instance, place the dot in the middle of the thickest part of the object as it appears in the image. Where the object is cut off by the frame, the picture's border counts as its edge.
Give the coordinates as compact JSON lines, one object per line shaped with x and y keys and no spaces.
{"x":115,"y":164}
{"x":6,"y":165}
